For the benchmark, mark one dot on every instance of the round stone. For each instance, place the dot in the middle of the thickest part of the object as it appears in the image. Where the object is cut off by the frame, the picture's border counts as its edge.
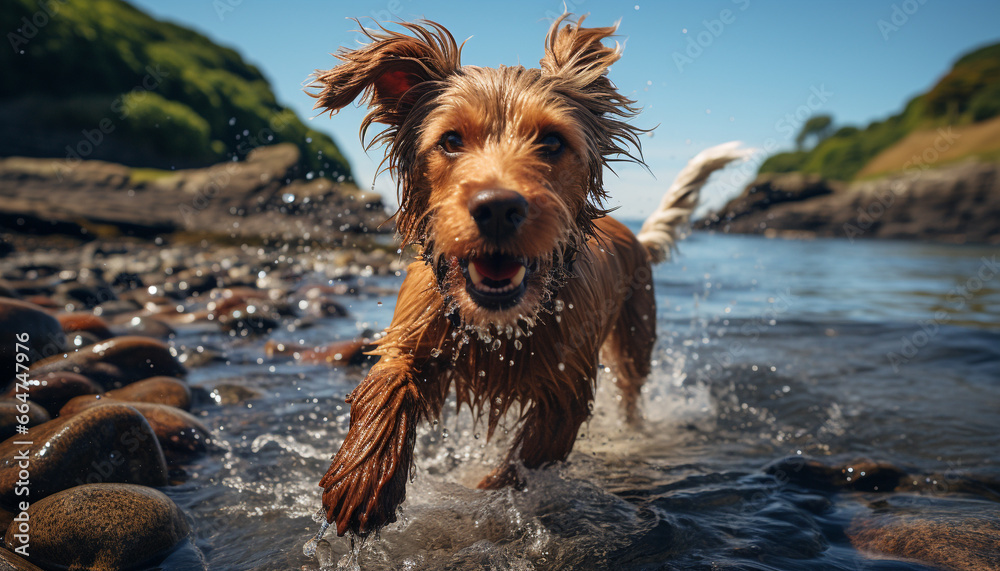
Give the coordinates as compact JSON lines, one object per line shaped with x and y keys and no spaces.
{"x":103,"y":527}
{"x":108,"y":443}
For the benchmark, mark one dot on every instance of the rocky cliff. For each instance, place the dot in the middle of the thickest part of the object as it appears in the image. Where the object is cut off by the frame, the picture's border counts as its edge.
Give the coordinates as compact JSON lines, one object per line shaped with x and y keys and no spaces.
{"x":960,"y":203}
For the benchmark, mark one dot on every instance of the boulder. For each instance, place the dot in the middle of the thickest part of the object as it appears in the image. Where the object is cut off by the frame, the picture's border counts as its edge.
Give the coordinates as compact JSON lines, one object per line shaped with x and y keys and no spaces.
{"x":102,"y":527}
{"x":26,"y":329}
{"x":116,"y":362}
{"x":109,"y":443}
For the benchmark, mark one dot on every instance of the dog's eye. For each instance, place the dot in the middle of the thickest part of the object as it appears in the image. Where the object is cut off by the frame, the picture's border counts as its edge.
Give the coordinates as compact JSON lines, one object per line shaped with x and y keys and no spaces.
{"x":551,"y":145}
{"x":452,"y":143}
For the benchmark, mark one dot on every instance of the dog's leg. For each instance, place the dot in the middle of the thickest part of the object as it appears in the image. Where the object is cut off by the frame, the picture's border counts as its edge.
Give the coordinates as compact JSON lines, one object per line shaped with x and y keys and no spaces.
{"x":366,"y":481}
{"x":629,"y":347}
{"x":547,"y":433}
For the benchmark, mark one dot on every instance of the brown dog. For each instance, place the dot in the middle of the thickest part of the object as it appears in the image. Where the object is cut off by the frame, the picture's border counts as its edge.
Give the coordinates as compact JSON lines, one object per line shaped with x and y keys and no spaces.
{"x":523,"y":280}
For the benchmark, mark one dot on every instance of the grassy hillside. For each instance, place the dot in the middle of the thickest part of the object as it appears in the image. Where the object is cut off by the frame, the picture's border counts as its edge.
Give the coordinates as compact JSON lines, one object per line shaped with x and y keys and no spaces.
{"x":968,"y":94}
{"x":149,"y":85}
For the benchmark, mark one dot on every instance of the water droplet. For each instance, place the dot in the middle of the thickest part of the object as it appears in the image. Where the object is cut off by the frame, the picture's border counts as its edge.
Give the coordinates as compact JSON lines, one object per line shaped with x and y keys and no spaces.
{"x":444,"y":433}
{"x":517,"y":344}
{"x":435,"y":352}
{"x":495,"y":345}
{"x":561,"y":366}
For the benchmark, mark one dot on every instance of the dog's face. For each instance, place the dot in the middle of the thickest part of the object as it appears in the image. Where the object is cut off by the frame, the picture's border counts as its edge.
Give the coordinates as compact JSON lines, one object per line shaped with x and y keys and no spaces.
{"x":499,"y":169}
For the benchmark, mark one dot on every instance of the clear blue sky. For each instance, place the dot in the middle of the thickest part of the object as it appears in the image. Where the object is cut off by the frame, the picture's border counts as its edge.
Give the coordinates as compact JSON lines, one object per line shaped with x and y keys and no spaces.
{"x":758,"y":63}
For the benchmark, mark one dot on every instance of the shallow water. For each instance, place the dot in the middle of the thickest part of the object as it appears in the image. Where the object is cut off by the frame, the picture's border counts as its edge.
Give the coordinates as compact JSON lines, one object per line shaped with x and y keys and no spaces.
{"x":767,"y":349}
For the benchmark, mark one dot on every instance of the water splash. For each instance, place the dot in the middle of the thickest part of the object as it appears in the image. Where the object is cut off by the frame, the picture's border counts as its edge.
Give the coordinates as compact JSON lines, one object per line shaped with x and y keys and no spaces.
{"x":309,"y":549}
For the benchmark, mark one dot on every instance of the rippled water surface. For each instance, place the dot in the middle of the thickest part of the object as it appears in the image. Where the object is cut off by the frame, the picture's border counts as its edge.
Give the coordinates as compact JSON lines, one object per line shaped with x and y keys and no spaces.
{"x":767,"y":349}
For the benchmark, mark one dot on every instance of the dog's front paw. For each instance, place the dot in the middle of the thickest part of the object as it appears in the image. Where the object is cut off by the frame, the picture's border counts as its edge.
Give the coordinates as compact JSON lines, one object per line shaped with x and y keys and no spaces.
{"x":366,"y":481}
{"x":362,"y":500}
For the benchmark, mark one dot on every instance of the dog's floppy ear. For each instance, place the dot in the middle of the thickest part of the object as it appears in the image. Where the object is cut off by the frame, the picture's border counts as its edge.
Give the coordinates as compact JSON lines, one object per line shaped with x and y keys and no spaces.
{"x":577,"y":62}
{"x":577,"y":55}
{"x":388,"y":72}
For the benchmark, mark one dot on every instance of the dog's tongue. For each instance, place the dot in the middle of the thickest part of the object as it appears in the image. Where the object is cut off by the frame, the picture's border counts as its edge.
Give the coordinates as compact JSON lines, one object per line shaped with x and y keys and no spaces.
{"x":497,"y":269}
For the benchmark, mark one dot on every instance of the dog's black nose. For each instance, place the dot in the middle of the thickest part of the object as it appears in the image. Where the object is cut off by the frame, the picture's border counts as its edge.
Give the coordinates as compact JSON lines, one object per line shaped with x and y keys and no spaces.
{"x":498,"y":212}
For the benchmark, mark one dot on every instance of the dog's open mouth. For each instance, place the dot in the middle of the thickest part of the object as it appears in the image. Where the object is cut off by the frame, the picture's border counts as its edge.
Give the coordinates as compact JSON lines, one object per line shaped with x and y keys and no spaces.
{"x":496,"y":281}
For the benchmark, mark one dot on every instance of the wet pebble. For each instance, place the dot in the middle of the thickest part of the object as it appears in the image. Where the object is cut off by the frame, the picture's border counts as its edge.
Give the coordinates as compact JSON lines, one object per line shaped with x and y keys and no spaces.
{"x":44,"y":335}
{"x":53,"y":390}
{"x":13,"y":411}
{"x":109,"y":443}
{"x":177,"y":431}
{"x":322,"y":307}
{"x":125,"y":527}
{"x":117,"y":307}
{"x":81,"y":296}
{"x":336,"y":354}
{"x":158,"y":390}
{"x":959,"y":534}
{"x":861,"y":475}
{"x":247,"y":319}
{"x":200,"y":355}
{"x":226,"y":394}
{"x":85,"y":322}
{"x":145,"y":326}
{"x":116,"y":362}
{"x":192,"y":281}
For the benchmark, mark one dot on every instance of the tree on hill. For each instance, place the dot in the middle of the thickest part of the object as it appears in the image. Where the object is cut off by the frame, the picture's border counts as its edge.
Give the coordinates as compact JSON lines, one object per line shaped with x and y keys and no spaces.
{"x":818,"y":127}
{"x":968,"y":93}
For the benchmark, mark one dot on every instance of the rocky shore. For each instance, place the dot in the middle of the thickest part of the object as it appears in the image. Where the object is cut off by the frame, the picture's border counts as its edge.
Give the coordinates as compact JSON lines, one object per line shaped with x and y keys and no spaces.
{"x":95,"y":415}
{"x":958,"y":204}
{"x":263,"y":196}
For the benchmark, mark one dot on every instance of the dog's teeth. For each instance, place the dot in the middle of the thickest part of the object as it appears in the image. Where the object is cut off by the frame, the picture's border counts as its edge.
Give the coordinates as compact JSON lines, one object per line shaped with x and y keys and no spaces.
{"x":518,"y":277}
{"x":477,"y":278}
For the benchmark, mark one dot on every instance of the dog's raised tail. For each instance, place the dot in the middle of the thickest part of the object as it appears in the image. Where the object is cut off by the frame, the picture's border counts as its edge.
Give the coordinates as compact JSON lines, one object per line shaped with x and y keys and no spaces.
{"x":661,"y":231}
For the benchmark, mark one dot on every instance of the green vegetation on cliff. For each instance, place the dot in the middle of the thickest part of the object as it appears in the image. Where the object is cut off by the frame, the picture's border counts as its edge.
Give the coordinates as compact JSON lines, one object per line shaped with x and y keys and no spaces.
{"x":152,"y":93}
{"x":969,"y":93}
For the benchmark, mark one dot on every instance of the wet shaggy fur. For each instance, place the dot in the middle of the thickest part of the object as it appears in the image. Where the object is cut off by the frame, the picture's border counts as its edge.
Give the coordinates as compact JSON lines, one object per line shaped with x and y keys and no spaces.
{"x":453,"y":132}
